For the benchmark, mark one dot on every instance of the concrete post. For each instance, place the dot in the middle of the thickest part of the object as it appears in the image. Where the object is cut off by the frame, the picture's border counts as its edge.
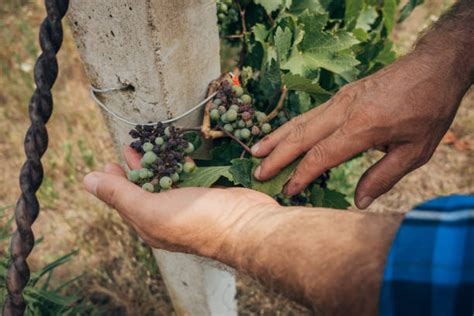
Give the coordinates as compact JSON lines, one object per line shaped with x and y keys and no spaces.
{"x":169,"y":52}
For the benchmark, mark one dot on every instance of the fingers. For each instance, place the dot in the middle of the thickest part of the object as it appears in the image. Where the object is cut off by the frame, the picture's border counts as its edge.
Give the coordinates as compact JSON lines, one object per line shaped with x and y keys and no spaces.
{"x":130,"y":200}
{"x":132,"y":158}
{"x":266,"y":145}
{"x":326,"y":154}
{"x":115,"y":169}
{"x":299,"y":140}
{"x":383,"y":175}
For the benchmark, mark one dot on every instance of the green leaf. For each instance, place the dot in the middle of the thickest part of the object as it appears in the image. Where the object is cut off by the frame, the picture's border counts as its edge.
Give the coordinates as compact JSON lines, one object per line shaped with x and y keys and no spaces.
{"x":241,"y":171}
{"x":389,"y":9}
{"x":260,"y":33}
{"x":283,"y":43}
{"x":366,"y":18}
{"x":299,"y":83}
{"x":328,"y":198}
{"x":275,"y":185}
{"x":270,"y":79}
{"x":51,"y":266}
{"x":270,"y":5}
{"x":300,"y":102}
{"x":408,"y":8}
{"x":205,"y":176}
{"x":352,"y":11}
{"x":222,"y":154}
{"x":299,"y":6}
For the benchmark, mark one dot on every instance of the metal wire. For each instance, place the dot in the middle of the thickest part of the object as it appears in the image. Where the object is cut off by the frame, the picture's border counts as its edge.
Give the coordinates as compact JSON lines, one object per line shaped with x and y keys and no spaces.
{"x":36,"y":143}
{"x":95,"y":90}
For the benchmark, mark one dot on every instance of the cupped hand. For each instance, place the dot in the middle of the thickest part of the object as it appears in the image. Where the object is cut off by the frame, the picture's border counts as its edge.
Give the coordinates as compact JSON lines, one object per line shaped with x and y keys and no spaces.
{"x":404,"y":109}
{"x":195,"y":220}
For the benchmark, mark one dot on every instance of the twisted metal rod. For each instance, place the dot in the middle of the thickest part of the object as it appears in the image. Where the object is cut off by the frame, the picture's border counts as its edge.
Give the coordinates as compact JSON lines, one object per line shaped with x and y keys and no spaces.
{"x":36,"y":143}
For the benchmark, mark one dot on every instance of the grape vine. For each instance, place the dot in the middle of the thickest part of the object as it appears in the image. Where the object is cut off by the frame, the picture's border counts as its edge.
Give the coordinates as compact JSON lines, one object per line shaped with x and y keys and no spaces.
{"x":293,"y":55}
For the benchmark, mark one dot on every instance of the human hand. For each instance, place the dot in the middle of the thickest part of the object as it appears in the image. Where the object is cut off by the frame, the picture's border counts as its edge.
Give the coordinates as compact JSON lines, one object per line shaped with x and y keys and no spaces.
{"x":195,"y":220}
{"x":404,"y":110}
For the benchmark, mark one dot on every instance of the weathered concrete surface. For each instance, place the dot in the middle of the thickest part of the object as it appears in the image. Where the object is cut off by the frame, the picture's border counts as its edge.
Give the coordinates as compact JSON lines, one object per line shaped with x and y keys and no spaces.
{"x":169,"y":52}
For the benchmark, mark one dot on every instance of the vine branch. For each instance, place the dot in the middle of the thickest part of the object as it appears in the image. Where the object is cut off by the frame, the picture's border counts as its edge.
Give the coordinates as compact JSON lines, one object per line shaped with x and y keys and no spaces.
{"x":277,"y":109}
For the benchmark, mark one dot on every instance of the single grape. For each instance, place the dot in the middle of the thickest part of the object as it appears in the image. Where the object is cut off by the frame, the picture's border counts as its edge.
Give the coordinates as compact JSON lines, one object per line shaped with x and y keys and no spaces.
{"x":234,"y":107}
{"x":282,"y":120}
{"x":133,"y":175}
{"x":241,"y":123}
{"x":144,"y":173}
{"x":260,"y":116}
{"x":229,"y":128}
{"x":223,"y":8}
{"x":249,"y":123}
{"x":222,"y":109}
{"x":231,"y":115}
{"x":147,"y":147}
{"x":166,"y":182}
{"x":159,"y":141}
{"x":148,"y":187}
{"x":246,"y":116}
{"x":215,"y":115}
{"x":168,"y":131}
{"x":246,"y":99}
{"x":189,"y":149}
{"x":245,"y":133}
{"x":221,"y":16}
{"x":149,"y":158}
{"x":228,"y":2}
{"x":217,"y":101}
{"x":266,"y":128}
{"x":237,"y":134}
{"x":238,"y":91}
{"x":179,"y":167}
{"x":175,"y":177}
{"x":255,"y":130}
{"x":189,"y":166}
{"x":224,"y":118}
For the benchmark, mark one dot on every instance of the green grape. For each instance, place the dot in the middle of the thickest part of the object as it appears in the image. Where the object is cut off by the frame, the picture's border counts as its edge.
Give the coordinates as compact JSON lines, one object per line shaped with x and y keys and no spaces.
{"x":217,"y":102}
{"x":238,"y":91}
{"x":228,"y":2}
{"x":222,"y":109}
{"x":148,"y":187}
{"x":241,"y":123}
{"x":149,"y":158}
{"x":166,"y":182}
{"x":221,"y":16}
{"x":144,"y":173}
{"x":179,"y":167}
{"x":215,"y":115}
{"x":234,"y":107}
{"x":147,"y":147}
{"x":189,"y":166}
{"x":255,"y":130}
{"x":249,"y":123}
{"x":223,"y":7}
{"x":189,"y":149}
{"x":175,"y":177}
{"x":266,"y":128}
{"x":245,"y":133}
{"x":159,"y":141}
{"x":229,"y":128}
{"x":231,"y":115}
{"x":167,"y":131}
{"x":133,"y":175}
{"x":260,"y":116}
{"x":237,"y":133}
{"x":246,"y":99}
{"x":224,"y":118}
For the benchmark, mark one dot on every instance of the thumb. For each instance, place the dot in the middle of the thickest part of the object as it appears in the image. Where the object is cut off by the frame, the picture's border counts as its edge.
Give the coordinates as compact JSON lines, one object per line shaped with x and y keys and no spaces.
{"x":119,"y":193}
{"x":382,"y":176}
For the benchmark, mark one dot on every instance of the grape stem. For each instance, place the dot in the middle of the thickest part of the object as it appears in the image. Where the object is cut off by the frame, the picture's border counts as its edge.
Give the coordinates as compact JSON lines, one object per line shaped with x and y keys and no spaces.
{"x":230,"y":135}
{"x":279,"y":106}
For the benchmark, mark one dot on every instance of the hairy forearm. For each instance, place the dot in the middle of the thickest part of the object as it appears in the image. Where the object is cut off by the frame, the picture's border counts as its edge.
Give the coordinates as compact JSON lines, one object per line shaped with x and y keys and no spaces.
{"x":451,"y":40}
{"x":331,"y":261}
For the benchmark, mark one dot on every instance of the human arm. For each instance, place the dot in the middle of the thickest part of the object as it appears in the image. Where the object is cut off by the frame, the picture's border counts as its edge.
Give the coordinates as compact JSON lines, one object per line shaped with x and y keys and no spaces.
{"x":404,"y":109}
{"x":329,"y":260}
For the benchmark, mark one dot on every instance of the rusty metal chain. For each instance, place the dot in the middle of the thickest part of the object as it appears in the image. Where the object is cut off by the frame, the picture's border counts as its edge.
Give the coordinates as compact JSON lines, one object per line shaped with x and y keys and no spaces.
{"x":36,"y":143}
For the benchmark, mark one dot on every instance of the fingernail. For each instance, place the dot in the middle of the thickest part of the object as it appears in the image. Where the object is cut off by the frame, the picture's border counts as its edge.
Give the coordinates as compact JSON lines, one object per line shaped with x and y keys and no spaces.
{"x":255,"y":148}
{"x":90,"y":182}
{"x":365,"y":202}
{"x":257,"y":172}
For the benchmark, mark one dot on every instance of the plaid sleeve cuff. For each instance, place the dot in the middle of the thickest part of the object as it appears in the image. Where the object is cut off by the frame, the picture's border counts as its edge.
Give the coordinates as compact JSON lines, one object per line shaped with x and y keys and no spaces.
{"x":430,"y":266}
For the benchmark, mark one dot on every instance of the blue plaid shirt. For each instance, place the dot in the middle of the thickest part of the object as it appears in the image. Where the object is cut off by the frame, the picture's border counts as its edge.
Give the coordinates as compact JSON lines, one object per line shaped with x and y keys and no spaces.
{"x":430,"y":267}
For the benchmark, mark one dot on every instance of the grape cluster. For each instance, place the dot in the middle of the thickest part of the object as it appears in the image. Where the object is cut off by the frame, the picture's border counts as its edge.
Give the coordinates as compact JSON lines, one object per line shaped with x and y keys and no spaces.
{"x":232,"y":110}
{"x":164,"y":157}
{"x":227,"y":16}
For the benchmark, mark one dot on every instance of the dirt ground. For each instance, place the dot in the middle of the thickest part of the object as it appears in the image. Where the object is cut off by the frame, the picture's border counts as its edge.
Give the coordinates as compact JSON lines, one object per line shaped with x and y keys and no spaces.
{"x":118,"y":270}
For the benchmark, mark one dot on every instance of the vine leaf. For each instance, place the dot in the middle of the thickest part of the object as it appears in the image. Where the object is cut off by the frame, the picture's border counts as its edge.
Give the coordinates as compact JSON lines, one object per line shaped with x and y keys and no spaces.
{"x":206,"y":176}
{"x":241,"y":170}
{"x":328,"y":198}
{"x":320,"y":49}
{"x":299,"y":83}
{"x":275,"y":185}
{"x":283,"y":43}
{"x":270,"y":5}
